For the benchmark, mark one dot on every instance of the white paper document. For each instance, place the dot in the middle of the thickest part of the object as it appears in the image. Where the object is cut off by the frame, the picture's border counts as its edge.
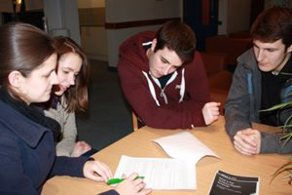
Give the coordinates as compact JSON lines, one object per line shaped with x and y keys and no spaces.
{"x":160,"y":173}
{"x":184,"y":146}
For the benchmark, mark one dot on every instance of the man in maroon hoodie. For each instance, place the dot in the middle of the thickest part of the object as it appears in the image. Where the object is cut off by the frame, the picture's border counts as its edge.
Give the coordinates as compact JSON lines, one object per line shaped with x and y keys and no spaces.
{"x":164,"y":80}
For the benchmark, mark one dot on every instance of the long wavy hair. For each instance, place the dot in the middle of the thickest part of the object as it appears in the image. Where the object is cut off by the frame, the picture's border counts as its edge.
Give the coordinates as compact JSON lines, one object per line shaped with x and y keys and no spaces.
{"x":76,"y":96}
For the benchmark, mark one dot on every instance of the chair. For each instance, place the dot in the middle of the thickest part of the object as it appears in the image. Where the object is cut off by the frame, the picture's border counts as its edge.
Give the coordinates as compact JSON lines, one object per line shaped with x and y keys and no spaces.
{"x":219,"y":77}
{"x":136,"y":122}
{"x":219,"y":86}
{"x":233,"y":46}
{"x":213,"y":62}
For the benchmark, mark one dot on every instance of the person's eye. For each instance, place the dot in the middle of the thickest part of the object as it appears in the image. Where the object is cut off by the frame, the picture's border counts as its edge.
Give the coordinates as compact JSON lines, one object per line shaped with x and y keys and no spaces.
{"x":66,"y":72}
{"x":271,"y":50}
{"x":49,"y":74}
{"x":164,"y":61}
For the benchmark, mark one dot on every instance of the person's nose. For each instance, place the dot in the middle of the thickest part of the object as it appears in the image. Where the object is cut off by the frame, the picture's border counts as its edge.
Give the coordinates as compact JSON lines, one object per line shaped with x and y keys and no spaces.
{"x":167,"y":69}
{"x":71,"y":79}
{"x":260,"y":55}
{"x":54,"y":79}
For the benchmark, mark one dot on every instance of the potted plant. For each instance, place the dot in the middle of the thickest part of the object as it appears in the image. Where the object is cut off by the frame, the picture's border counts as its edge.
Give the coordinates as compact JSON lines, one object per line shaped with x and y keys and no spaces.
{"x":287,"y":136}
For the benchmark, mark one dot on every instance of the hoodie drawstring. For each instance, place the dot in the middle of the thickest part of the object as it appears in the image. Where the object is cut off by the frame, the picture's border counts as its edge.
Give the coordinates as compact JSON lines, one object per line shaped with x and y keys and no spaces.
{"x":162,"y":93}
{"x":151,"y":88}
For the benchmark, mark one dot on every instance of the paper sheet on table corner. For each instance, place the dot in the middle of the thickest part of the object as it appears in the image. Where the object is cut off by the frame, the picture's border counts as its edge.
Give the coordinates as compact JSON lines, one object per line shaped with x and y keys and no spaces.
{"x":184,"y":146}
{"x":160,"y":173}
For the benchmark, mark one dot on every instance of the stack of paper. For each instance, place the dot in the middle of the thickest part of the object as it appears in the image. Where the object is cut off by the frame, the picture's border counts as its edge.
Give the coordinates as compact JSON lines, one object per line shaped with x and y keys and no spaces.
{"x":160,"y":173}
{"x":165,"y":173}
{"x":184,"y":146}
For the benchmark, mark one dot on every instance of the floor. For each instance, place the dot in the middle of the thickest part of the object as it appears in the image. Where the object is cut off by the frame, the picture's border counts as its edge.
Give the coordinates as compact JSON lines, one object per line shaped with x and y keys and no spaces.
{"x":108,"y":118}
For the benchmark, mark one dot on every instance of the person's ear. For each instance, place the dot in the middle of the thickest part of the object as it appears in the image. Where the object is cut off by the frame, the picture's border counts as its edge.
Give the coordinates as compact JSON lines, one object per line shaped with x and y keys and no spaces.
{"x":15,"y":78}
{"x":154,"y":42}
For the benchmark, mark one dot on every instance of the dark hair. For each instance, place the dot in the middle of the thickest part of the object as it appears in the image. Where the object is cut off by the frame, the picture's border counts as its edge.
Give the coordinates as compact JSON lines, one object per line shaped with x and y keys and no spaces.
{"x":23,"y":47}
{"x":273,"y":24}
{"x":77,"y":95}
{"x":178,"y":37}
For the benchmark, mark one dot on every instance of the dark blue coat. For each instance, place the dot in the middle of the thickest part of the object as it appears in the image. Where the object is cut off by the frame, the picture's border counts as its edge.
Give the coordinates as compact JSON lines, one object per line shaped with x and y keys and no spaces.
{"x":27,"y":155}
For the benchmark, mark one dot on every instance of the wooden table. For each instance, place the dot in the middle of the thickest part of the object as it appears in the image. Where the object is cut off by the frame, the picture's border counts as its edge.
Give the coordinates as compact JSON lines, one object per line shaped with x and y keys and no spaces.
{"x":139,"y":144}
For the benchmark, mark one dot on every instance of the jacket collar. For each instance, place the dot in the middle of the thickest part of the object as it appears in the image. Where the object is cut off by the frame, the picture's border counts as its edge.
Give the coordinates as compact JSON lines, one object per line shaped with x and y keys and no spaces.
{"x":248,"y":60}
{"x":29,"y":131}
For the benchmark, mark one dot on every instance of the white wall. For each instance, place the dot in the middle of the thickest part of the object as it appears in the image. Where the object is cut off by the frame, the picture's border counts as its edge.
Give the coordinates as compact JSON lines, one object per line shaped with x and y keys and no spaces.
{"x":90,"y":3}
{"x":238,"y":15}
{"x":222,"y":16}
{"x":116,"y":37}
{"x":234,"y":15}
{"x":94,"y":42}
{"x":62,"y":18}
{"x":99,"y":43}
{"x":93,"y":38}
{"x":34,"y":4}
{"x":6,"y":6}
{"x":134,"y":10}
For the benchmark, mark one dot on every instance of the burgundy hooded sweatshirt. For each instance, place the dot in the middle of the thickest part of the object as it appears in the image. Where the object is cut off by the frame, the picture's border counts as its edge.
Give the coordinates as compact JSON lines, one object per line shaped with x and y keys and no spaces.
{"x":178,"y":104}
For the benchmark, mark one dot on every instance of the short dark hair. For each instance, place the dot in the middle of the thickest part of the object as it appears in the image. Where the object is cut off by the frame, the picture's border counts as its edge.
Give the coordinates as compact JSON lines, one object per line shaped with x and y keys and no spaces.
{"x":273,"y":24}
{"x":179,"y":37}
{"x":77,"y":95}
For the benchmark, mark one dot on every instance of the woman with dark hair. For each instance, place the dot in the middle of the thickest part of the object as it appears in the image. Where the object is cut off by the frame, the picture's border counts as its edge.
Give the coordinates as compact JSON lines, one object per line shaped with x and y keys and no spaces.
{"x":28,"y":61}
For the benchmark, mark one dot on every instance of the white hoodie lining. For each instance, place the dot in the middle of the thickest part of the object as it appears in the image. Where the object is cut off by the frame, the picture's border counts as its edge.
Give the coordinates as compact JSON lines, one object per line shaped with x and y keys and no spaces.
{"x":151,"y":87}
{"x":162,"y":94}
{"x":182,"y":86}
{"x":147,"y":43}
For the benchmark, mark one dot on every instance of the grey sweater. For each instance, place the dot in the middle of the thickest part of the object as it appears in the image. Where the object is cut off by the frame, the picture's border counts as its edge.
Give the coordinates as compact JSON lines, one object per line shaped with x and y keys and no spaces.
{"x":68,"y":128}
{"x":244,"y":102}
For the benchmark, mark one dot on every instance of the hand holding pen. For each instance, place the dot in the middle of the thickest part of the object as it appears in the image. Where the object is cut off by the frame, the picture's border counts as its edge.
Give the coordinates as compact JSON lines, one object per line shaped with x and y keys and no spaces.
{"x":132,"y":185}
{"x":114,"y":181}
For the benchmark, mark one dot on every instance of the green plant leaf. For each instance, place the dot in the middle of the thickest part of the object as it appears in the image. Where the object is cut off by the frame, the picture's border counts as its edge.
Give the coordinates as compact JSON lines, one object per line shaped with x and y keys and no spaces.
{"x":284,"y":168}
{"x":278,"y":106}
{"x":286,"y":126}
{"x":287,"y":137}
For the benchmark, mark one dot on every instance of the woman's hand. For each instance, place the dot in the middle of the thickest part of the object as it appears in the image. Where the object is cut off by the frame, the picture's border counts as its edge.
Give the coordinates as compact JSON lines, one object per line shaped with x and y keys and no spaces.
{"x":97,"y":171}
{"x":132,"y":186}
{"x":80,"y":148}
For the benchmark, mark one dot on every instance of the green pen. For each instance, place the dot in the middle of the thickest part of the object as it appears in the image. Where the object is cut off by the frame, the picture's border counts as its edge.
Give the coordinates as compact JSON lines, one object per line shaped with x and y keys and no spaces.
{"x":119,"y":180}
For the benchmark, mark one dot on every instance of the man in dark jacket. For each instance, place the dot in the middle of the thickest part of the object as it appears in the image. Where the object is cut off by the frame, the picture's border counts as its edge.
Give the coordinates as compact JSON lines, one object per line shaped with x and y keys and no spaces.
{"x":164,"y":79}
{"x":262,"y":75}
